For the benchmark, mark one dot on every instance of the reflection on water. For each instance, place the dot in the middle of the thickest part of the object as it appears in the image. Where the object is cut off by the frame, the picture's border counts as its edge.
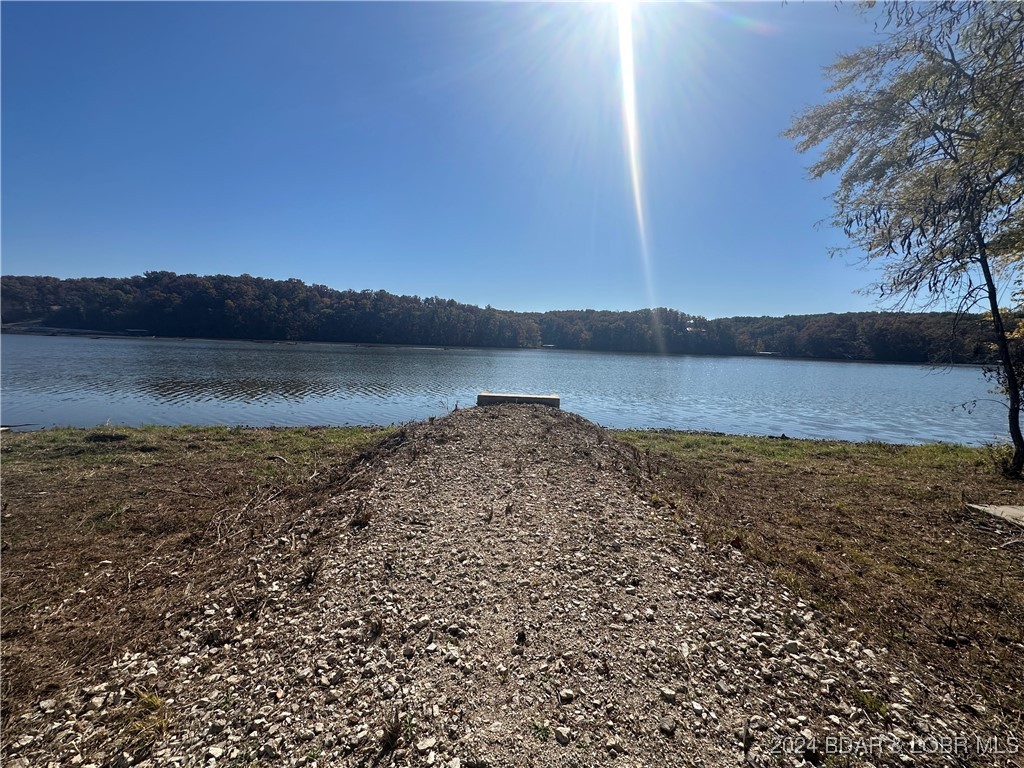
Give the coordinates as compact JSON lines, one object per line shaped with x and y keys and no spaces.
{"x":49,"y":381}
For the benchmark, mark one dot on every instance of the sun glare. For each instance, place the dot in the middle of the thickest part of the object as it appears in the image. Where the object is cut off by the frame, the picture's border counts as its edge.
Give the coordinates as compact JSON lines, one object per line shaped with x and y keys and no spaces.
{"x":629,"y":112}
{"x":627,"y":67}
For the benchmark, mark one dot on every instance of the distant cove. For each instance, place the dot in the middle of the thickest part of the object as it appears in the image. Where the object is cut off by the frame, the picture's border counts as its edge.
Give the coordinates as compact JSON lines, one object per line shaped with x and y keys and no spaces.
{"x":78,"y":381}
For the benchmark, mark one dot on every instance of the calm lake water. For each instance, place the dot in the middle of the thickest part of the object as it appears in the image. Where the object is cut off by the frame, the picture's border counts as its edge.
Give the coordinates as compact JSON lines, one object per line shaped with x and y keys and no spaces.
{"x":69,"y":381}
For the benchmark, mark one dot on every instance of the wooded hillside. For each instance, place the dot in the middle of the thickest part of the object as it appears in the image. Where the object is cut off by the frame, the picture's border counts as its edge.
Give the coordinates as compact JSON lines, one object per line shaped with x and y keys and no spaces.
{"x":245,"y":307}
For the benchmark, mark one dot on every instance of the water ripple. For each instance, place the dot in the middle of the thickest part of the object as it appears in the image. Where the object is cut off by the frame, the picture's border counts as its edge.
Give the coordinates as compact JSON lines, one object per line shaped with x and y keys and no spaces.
{"x":77,"y":381}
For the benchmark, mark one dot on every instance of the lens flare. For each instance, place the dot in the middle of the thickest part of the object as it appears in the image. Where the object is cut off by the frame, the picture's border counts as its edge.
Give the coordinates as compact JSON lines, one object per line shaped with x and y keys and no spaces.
{"x":627,"y":68}
{"x":629,"y":116}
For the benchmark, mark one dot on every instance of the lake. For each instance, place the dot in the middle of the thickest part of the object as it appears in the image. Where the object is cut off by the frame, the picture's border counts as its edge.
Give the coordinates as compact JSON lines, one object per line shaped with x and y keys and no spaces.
{"x":77,"y":381}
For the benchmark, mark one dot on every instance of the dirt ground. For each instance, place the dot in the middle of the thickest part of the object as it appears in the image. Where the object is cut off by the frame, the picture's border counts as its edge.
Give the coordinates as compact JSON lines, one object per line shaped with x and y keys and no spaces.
{"x":108,"y":534}
{"x":504,"y":586}
{"x":877,"y":533}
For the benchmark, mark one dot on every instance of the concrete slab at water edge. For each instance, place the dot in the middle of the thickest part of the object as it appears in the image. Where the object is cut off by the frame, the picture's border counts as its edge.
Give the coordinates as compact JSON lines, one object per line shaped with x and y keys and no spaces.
{"x":497,"y":398}
{"x":1011,"y":513}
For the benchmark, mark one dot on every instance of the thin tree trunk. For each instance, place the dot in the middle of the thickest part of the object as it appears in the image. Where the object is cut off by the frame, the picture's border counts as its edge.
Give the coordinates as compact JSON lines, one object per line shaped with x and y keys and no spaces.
{"x":1009,"y":371}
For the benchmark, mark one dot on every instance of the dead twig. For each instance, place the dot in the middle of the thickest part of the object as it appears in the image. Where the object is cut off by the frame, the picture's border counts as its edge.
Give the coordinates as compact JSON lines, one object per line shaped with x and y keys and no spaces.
{"x":183,"y":493}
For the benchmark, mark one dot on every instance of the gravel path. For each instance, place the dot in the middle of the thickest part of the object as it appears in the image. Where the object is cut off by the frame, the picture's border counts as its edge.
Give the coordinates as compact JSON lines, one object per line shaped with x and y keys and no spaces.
{"x":503,"y":588}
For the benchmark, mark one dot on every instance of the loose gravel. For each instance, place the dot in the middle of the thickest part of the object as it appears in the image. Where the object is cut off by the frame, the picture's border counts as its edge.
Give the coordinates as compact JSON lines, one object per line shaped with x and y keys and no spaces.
{"x":504,"y":588}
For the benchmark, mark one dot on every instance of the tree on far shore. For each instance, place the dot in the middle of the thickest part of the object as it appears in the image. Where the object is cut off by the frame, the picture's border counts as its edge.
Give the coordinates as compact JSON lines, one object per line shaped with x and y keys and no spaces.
{"x":925,"y":131}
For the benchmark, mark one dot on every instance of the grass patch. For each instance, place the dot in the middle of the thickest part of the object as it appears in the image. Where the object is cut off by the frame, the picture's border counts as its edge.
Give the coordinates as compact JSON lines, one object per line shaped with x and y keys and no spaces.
{"x":876,"y":534}
{"x":107,"y":532}
{"x":148,"y":722}
{"x":540,"y":731}
{"x":869,"y":703}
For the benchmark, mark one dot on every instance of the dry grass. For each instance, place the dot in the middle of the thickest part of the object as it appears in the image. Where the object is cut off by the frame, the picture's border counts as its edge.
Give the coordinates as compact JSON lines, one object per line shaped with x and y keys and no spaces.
{"x":110,"y":537}
{"x":110,"y":534}
{"x":876,"y":534}
{"x":148,"y":722}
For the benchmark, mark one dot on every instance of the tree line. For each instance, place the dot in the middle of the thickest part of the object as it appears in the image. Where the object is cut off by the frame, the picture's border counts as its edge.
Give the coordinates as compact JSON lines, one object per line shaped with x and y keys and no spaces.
{"x":246,"y":307}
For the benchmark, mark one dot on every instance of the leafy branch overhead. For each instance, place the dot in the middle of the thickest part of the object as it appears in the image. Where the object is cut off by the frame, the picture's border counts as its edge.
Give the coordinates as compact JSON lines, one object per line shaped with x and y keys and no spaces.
{"x":925,"y":131}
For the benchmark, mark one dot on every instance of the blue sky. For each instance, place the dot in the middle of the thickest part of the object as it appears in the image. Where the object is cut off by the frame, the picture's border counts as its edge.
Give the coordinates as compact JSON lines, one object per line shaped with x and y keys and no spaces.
{"x":467,"y":150}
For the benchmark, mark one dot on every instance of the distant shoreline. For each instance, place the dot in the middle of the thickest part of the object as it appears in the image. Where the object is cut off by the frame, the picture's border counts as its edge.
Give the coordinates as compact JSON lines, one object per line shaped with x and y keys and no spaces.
{"x":15,"y":329}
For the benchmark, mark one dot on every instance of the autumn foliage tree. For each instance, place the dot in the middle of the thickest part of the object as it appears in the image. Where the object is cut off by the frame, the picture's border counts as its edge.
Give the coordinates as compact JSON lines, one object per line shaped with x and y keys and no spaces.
{"x":925,"y":131}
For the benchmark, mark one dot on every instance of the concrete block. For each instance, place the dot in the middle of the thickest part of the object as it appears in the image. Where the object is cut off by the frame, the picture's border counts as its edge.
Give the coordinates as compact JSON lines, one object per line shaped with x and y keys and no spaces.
{"x":494,"y":398}
{"x":1011,"y":513}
